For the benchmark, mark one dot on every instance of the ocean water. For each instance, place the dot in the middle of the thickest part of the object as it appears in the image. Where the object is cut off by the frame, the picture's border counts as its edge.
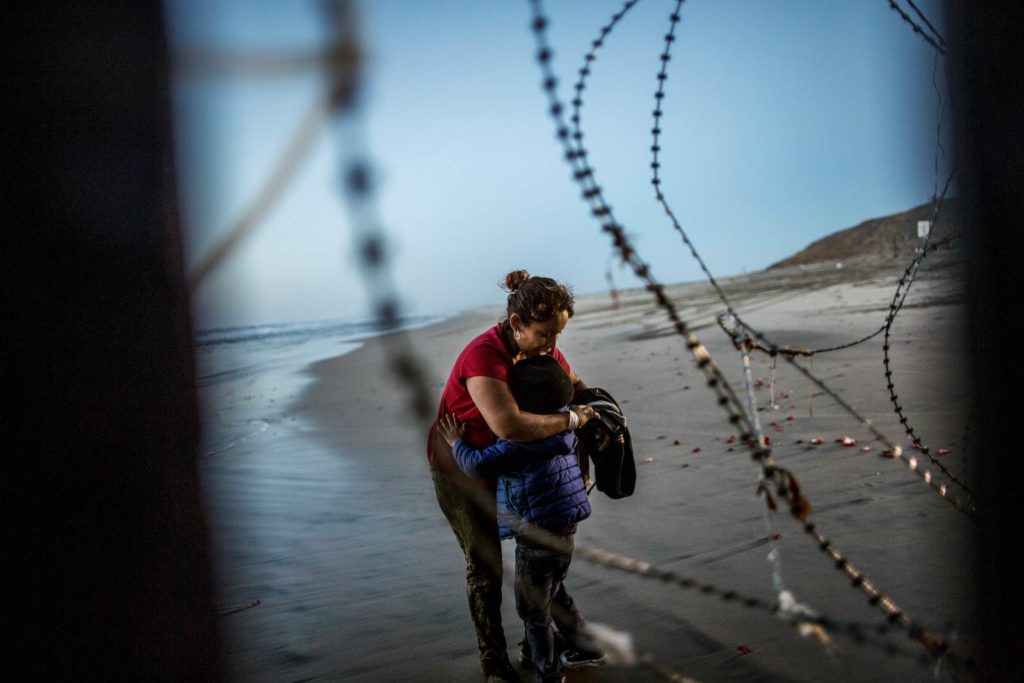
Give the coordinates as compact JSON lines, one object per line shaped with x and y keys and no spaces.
{"x":300,"y":332}
{"x":251,"y":377}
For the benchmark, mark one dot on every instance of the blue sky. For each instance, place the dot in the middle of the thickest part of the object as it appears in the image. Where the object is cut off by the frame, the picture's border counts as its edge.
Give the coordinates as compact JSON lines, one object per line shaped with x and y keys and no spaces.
{"x":784,"y":121}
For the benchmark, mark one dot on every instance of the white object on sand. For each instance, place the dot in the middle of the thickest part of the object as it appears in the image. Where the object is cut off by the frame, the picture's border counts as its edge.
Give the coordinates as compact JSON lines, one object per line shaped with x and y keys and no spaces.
{"x":617,"y":645}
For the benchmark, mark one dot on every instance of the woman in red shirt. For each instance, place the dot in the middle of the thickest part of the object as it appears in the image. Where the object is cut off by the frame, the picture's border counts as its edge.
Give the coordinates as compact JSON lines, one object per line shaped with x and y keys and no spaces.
{"x":477,"y":393}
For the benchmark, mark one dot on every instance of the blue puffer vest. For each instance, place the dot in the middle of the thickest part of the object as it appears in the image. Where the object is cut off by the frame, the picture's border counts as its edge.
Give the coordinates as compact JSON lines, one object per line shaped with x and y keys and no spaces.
{"x":539,"y":482}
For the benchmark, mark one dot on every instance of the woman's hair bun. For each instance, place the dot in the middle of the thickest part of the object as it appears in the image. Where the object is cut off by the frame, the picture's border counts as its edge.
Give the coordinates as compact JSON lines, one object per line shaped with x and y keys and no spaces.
{"x":515,"y":280}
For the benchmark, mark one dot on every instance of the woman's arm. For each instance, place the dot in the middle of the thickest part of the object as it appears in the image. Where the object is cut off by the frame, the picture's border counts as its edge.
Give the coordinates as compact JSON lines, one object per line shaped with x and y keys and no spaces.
{"x":577,"y":383}
{"x":494,"y":400}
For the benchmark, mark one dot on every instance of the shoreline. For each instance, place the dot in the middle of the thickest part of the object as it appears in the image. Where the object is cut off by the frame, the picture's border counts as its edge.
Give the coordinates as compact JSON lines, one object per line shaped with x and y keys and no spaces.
{"x":370,"y":559}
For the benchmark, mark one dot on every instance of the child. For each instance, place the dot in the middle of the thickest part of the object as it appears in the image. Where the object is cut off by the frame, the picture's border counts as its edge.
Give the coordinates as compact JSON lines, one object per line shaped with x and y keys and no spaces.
{"x":541,"y":498}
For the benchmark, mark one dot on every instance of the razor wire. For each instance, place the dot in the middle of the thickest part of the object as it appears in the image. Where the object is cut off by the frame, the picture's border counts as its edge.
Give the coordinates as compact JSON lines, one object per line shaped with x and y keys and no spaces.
{"x":803,"y":622}
{"x":939,"y":46}
{"x":899,"y":298}
{"x":785,"y":483}
{"x":807,"y":623}
{"x":340,"y":62}
{"x":280,"y":177}
{"x":370,"y":244}
{"x":656,"y":181}
{"x":898,"y":301}
{"x":902,"y":290}
{"x":368,"y":236}
{"x":340,"y":59}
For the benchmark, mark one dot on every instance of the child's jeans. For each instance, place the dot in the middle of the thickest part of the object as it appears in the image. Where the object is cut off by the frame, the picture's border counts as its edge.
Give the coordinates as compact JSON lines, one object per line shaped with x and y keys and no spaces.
{"x":541,"y":598}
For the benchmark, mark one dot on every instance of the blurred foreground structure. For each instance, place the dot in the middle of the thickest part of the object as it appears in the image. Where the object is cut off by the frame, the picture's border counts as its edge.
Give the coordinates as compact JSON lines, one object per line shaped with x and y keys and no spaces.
{"x":104,"y":525}
{"x":987,"y":73}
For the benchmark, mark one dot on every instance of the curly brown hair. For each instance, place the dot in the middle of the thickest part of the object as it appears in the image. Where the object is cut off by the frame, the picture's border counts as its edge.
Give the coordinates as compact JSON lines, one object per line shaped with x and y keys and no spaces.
{"x":536,"y":299}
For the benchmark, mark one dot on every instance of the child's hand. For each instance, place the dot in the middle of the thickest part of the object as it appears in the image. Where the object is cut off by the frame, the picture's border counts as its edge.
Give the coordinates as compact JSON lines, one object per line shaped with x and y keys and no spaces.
{"x":450,"y":429}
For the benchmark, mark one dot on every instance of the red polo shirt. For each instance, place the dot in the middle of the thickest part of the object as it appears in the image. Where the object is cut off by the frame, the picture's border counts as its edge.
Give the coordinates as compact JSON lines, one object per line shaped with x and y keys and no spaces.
{"x":486,"y":356}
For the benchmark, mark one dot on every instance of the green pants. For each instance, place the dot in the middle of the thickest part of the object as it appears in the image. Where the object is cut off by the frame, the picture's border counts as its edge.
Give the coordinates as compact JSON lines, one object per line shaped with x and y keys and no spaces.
{"x":470,"y":510}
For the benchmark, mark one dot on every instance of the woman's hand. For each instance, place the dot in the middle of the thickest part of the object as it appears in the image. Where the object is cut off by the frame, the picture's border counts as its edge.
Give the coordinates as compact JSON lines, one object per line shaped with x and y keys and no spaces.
{"x":450,"y":428}
{"x":583,"y":414}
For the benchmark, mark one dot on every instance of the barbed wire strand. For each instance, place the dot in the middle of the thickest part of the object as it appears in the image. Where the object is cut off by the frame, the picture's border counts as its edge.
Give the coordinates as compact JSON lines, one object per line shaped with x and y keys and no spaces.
{"x":909,"y":276}
{"x":280,"y":177}
{"x":805,"y":622}
{"x":359,"y":187}
{"x":784,"y":482}
{"x":901,"y":293}
{"x":899,"y":298}
{"x":656,"y":181}
{"x":207,"y":62}
{"x":921,"y":15}
{"x":857,"y":631}
{"x":370,"y":245}
{"x":792,"y":350}
{"x":917,"y":28}
{"x":369,"y":240}
{"x":660,"y":196}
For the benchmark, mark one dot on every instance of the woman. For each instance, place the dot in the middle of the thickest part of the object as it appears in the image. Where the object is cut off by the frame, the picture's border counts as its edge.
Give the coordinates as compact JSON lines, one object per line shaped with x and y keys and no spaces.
{"x":477,"y":393}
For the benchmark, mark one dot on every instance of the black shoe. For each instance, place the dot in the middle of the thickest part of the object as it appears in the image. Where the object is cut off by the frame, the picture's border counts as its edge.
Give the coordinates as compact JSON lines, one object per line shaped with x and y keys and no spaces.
{"x":573,"y":660}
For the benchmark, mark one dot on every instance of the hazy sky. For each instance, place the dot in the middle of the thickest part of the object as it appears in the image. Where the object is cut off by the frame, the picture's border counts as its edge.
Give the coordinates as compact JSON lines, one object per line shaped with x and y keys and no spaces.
{"x":784,"y":121}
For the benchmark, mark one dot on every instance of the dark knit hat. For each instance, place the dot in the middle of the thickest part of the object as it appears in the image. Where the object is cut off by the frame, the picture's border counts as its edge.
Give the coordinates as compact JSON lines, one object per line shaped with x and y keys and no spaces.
{"x":540,"y":385}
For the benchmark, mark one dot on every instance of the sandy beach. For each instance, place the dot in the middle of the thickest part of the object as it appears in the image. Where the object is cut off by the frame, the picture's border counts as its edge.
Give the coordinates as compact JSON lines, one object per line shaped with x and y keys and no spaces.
{"x":322,"y":509}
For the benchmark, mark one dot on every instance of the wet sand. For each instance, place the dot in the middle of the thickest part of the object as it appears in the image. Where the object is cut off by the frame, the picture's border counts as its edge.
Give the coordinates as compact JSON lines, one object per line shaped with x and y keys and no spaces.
{"x":322,"y":508}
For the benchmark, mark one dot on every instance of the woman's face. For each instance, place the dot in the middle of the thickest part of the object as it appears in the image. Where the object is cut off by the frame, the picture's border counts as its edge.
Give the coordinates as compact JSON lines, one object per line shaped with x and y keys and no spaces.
{"x":539,"y":337}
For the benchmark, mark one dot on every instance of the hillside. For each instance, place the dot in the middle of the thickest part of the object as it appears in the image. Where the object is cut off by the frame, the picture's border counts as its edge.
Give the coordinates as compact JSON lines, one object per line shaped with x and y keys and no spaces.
{"x":884,"y":237}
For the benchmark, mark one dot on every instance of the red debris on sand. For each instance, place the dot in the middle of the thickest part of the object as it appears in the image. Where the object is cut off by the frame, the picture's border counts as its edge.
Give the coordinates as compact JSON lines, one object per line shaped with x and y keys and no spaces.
{"x":799,"y":441}
{"x":730,"y":449}
{"x":790,"y":418}
{"x":648,"y":459}
{"x":675,"y":442}
{"x":696,"y":450}
{"x":759,"y":383}
{"x":847,"y":441}
{"x":816,"y":441}
{"x":744,"y":649}
{"x":943,"y":451}
{"x":767,"y":441}
{"x":685,"y":464}
{"x":731,"y":439}
{"x":866,"y":449}
{"x":887,"y":454}
{"x":776,"y":537}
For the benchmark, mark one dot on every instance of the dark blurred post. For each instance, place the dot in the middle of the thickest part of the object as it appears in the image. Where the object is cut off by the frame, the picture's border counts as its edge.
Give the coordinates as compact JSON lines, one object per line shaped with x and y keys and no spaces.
{"x":987,"y":78}
{"x":103,"y":526}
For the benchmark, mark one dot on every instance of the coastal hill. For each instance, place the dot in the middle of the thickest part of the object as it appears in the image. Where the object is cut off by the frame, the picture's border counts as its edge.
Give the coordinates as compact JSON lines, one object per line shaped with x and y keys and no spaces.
{"x":885,"y":237}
